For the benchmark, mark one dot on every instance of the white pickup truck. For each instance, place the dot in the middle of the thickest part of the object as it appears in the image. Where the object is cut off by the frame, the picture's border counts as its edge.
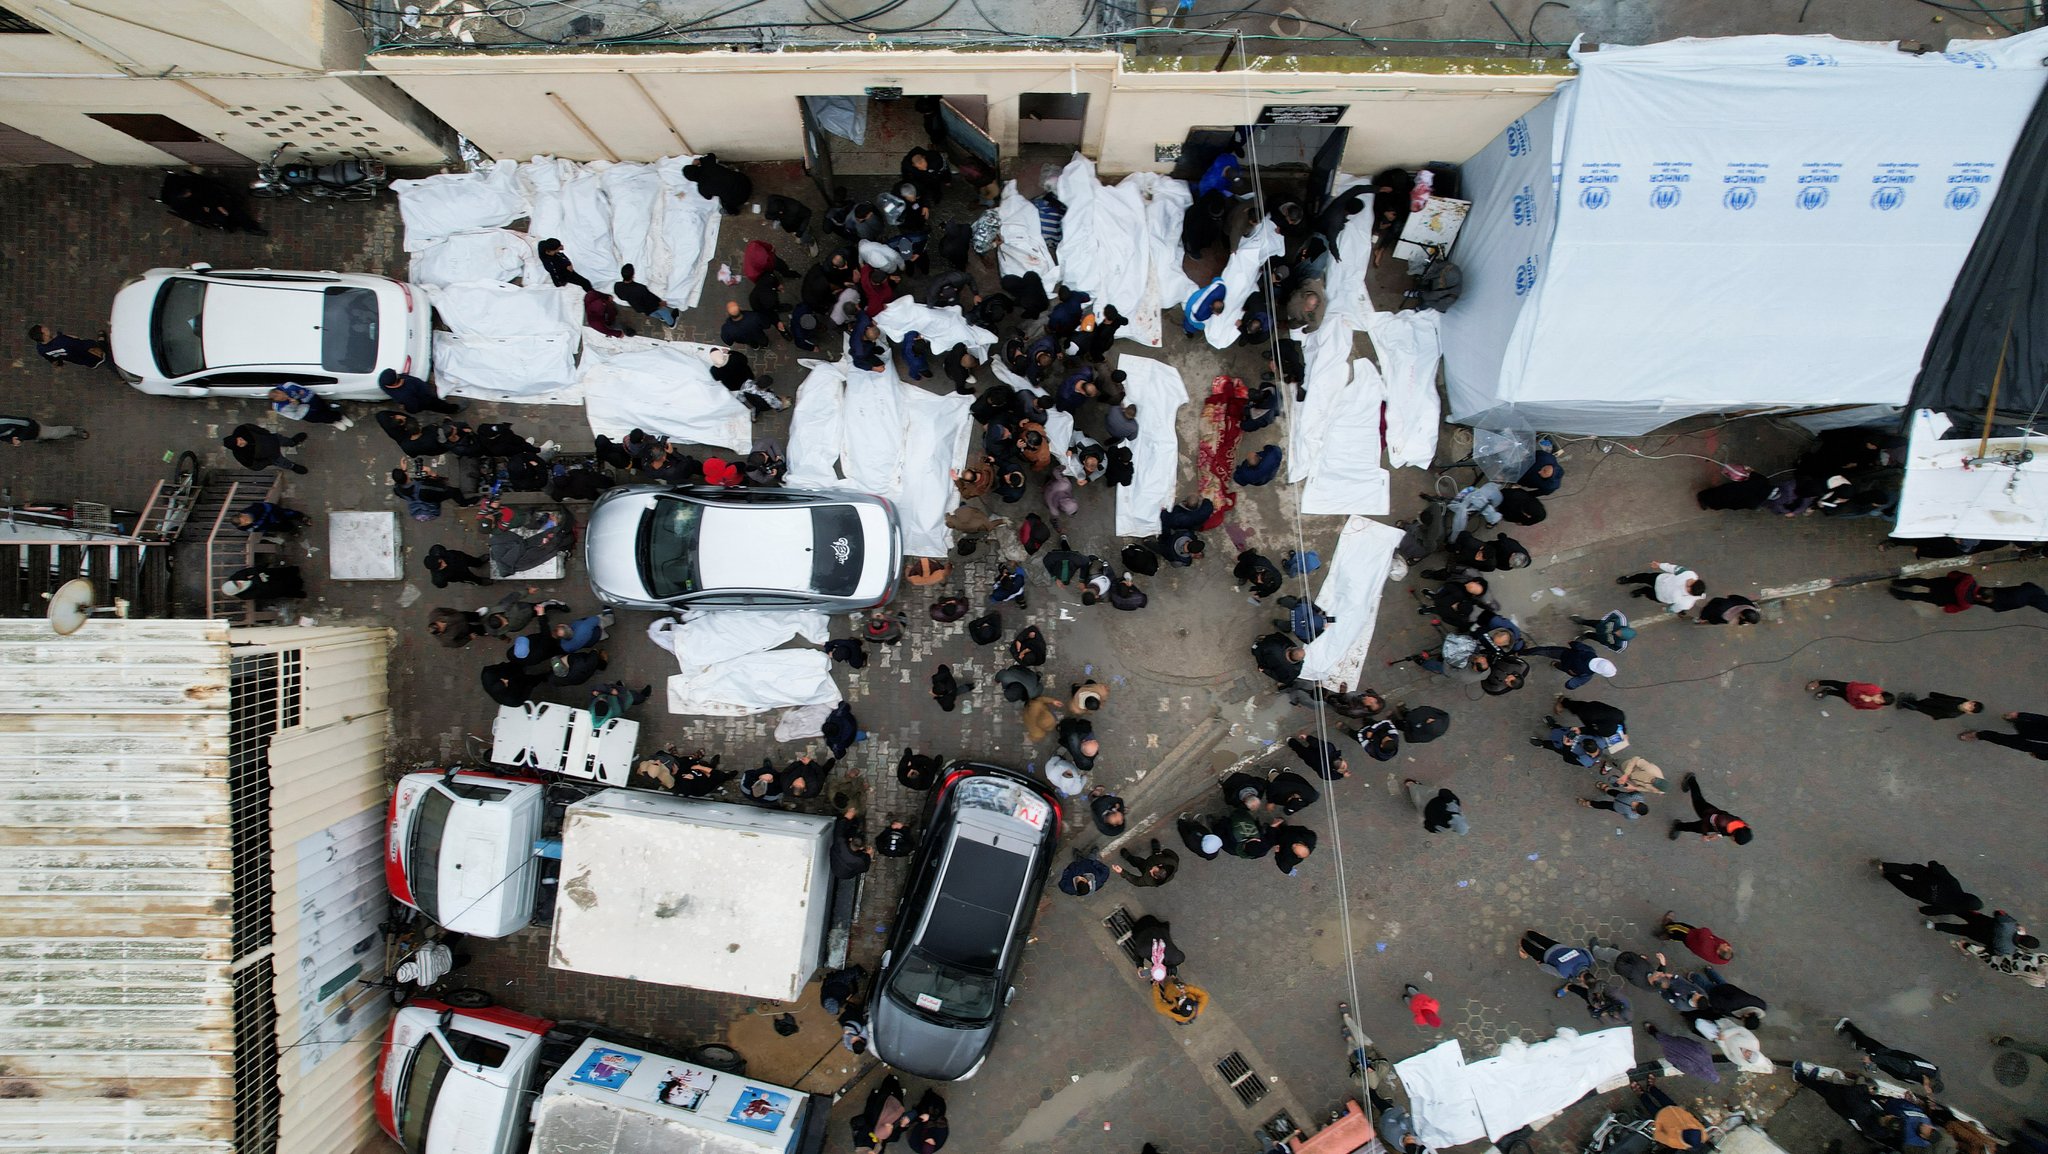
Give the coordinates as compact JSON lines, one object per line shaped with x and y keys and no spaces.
{"x":495,"y":1081}
{"x":458,"y":848}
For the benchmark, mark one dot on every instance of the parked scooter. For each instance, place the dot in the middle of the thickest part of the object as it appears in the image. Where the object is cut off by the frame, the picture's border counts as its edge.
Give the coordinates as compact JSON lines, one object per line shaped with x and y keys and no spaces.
{"x":350,"y":178}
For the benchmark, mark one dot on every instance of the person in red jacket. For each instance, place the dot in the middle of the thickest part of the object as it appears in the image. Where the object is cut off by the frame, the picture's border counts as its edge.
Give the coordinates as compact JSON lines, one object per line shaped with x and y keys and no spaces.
{"x":1954,"y":591}
{"x":1709,"y":945}
{"x":1859,"y":694}
{"x":1424,"y":1008}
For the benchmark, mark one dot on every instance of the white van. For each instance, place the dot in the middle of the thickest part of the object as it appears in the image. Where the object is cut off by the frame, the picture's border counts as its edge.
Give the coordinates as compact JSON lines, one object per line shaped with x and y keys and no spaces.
{"x":459,"y":848}
{"x":459,"y":1082}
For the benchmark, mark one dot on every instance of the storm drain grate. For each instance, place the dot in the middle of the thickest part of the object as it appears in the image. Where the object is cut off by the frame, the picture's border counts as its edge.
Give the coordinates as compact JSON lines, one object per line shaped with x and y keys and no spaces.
{"x":1241,"y":1078}
{"x":2010,"y":1068}
{"x":1119,"y":926}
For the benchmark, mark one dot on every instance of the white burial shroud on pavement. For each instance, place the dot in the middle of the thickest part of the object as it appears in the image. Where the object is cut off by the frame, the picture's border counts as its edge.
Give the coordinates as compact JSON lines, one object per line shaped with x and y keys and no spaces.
{"x":1240,"y":280}
{"x":1023,"y":249}
{"x":1333,"y":437}
{"x":942,"y":328}
{"x":664,"y":387}
{"x":728,"y":668}
{"x":1156,"y":389}
{"x":507,"y":343}
{"x":1350,"y":595}
{"x":871,"y":431}
{"x":438,"y":206}
{"x":1111,"y":249}
{"x":1410,"y":348}
{"x":1454,"y":1102}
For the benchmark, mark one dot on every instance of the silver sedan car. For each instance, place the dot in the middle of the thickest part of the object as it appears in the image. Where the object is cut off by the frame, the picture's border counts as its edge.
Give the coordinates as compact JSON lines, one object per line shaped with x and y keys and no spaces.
{"x":679,"y":547}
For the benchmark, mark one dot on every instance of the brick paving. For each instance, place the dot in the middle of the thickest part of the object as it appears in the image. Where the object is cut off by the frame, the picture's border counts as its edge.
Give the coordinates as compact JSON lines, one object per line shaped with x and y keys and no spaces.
{"x":1079,"y":1049}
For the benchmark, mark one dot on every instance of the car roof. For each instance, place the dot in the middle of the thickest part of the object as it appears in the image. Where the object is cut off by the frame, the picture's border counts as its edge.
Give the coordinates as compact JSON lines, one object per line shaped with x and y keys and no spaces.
{"x":978,"y":895}
{"x":266,"y":324}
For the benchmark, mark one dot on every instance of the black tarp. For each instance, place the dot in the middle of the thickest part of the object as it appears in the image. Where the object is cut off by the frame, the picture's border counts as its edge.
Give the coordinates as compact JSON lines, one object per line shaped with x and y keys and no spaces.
{"x":1999,"y":303}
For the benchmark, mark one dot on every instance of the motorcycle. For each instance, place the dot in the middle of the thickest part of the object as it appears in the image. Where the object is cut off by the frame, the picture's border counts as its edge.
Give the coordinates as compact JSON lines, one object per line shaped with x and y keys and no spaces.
{"x":350,"y":178}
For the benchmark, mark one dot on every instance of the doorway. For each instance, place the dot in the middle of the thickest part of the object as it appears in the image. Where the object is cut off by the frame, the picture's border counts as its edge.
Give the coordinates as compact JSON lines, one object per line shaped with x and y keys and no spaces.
{"x":851,"y":137}
{"x":1296,"y":161}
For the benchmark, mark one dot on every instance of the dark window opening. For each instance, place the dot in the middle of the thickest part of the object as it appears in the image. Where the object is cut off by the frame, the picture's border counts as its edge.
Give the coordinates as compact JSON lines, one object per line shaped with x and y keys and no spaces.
{"x":257,"y":1096}
{"x":9,"y":22}
{"x":161,"y":132}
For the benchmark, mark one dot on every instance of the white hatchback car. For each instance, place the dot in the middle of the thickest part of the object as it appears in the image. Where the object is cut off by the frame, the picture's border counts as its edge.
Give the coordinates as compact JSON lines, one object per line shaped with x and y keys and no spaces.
{"x":207,"y":332}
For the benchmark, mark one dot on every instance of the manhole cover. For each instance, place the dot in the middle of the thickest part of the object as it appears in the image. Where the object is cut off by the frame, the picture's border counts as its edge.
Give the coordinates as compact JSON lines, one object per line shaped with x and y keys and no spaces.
{"x":2010,"y":1068}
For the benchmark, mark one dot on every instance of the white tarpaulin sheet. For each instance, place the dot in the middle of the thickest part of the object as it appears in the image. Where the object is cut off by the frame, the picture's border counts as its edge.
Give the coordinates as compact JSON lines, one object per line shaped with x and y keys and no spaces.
{"x":535,"y":370}
{"x":1240,"y":278}
{"x":883,"y":436}
{"x":1344,"y":282}
{"x":1455,"y":1103}
{"x":1156,"y":389}
{"x":941,"y":327}
{"x":1333,"y":437}
{"x":1409,"y":347}
{"x":1742,"y":223}
{"x":1166,"y":208}
{"x":633,"y":194}
{"x":685,"y":237}
{"x":663,"y":387}
{"x":754,"y":683}
{"x":436,"y":206}
{"x":709,"y":636}
{"x":1444,"y":1110}
{"x":1023,"y":249}
{"x":495,"y":309}
{"x":567,"y":201}
{"x":1106,"y":249}
{"x":1993,"y":501}
{"x":481,"y":254}
{"x":1350,"y":594}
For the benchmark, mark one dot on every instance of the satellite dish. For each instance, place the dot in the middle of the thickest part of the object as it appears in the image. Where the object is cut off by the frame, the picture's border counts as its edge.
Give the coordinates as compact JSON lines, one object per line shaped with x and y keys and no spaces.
{"x":71,"y":606}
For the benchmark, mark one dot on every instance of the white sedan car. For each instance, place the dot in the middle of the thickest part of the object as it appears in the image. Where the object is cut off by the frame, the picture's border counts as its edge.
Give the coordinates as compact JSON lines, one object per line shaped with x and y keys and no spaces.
{"x":207,"y":332}
{"x":705,"y":547}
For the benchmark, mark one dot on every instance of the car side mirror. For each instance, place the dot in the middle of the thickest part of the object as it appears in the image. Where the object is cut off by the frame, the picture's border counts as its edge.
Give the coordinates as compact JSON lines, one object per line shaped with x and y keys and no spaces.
{"x":1008,"y":995}
{"x":446,"y":1019}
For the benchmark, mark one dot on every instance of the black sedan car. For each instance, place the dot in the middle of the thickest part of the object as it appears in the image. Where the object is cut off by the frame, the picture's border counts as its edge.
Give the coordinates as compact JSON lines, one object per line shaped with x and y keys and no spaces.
{"x":961,"y":926}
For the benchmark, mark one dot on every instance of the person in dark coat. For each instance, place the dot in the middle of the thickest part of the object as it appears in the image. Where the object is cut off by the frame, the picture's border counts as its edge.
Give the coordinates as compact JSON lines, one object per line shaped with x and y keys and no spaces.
{"x":428,"y":488}
{"x":1596,"y":717}
{"x":1291,"y":792}
{"x":1108,"y":811}
{"x":1254,"y":570}
{"x":841,"y":729}
{"x":560,"y":269}
{"x":255,"y":447}
{"x":1028,"y":647}
{"x":1729,"y":609}
{"x":744,"y":328}
{"x":265,"y":583}
{"x":918,"y":771}
{"x":721,"y":182}
{"x":1422,"y":723}
{"x":1291,"y":846}
{"x":413,"y":394}
{"x":455,"y":627}
{"x":1279,"y":656}
{"x":269,"y":517}
{"x":850,"y":856}
{"x":1319,"y":755}
{"x":1154,"y":869}
{"x":1381,"y":739}
{"x":2030,"y":735}
{"x":1904,"y":1065}
{"x":946,"y":689}
{"x":445,"y":565}
{"x":512,"y":682}
{"x":1259,"y":468}
{"x":412,"y":438}
{"x":1931,"y":884}
{"x":1158,"y":957}
{"x":641,"y":299}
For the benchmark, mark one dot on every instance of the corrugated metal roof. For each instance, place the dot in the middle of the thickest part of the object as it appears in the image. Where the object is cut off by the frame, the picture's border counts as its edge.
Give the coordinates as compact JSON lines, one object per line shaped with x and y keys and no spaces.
{"x":116,"y":1020}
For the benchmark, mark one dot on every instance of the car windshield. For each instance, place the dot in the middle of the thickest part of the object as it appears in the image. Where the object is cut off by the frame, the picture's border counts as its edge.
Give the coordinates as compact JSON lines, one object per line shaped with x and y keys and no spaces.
{"x":416,"y":1097}
{"x":836,"y":553}
{"x":668,"y":547}
{"x":931,"y":988}
{"x":348,"y":330}
{"x":175,"y":331}
{"x":429,"y":826}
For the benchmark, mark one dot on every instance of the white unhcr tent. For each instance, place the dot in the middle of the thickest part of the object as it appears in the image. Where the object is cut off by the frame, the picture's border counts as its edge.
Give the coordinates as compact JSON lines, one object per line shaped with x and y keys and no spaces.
{"x":1763,"y":222}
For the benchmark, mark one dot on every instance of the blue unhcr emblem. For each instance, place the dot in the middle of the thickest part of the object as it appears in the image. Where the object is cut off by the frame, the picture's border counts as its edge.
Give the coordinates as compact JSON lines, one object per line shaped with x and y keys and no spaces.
{"x":1962,"y":197}
{"x":1525,"y":276}
{"x":1812,"y":196}
{"x":1518,"y":137}
{"x":1887,"y":198}
{"x":1740,"y":197}
{"x":1664,"y":196}
{"x":1594,"y":197}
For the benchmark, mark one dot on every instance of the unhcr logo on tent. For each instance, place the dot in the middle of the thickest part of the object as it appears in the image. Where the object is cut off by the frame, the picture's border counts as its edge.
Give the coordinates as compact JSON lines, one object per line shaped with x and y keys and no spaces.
{"x":1525,"y":207}
{"x":1887,"y":198}
{"x":1962,"y":198}
{"x":1812,"y":196}
{"x":1665,"y":196}
{"x":1594,"y":197}
{"x":1518,"y":137}
{"x":1525,"y":276}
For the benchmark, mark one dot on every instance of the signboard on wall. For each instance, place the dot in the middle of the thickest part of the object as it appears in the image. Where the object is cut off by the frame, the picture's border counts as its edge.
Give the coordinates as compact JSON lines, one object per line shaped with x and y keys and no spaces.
{"x":1302,"y":113}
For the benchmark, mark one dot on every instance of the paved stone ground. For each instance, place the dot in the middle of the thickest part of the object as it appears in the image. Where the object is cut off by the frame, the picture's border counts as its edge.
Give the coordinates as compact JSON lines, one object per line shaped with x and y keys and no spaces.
{"x":1819,"y":936}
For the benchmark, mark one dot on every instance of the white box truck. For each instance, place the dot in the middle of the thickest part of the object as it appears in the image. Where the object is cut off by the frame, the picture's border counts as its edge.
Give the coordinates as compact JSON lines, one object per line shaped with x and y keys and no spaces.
{"x":496,"y":1081}
{"x":710,"y":895}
